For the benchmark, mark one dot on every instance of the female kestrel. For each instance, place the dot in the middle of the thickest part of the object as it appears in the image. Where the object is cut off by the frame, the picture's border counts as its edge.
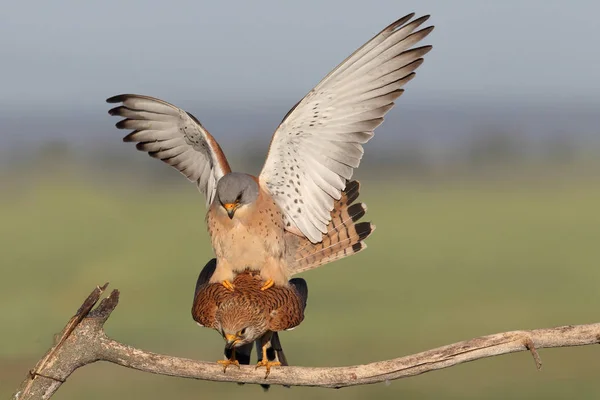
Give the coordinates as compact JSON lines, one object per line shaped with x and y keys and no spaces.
{"x":282,"y":221}
{"x":249,"y":315}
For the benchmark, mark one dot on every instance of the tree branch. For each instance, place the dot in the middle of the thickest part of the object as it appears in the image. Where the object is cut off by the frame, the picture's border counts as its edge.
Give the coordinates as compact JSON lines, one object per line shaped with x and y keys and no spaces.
{"x":83,"y":342}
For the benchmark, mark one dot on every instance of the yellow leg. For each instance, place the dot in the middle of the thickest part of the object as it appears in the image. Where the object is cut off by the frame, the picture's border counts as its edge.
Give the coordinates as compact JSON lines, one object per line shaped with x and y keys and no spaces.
{"x":228,"y":285}
{"x":265,"y":362}
{"x":269,"y":283}
{"x":227,"y":363}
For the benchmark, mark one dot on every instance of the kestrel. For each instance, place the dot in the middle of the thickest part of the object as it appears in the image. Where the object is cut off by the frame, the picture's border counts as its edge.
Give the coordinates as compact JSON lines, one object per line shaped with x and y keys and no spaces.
{"x":288,"y":218}
{"x":249,"y":315}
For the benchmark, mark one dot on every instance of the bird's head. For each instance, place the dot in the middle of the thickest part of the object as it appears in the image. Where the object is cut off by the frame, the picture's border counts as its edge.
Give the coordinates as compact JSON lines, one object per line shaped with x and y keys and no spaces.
{"x":240,"y":324}
{"x":236,"y":191}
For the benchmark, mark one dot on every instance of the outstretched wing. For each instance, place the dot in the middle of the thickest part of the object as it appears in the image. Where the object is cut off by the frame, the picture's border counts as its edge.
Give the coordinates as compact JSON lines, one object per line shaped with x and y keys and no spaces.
{"x":173,"y":136}
{"x":318,"y":144}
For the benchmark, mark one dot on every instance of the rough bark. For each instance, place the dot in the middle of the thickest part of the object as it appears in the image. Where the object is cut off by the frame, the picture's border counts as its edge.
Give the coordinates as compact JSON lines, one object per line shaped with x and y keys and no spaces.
{"x":83,"y":342}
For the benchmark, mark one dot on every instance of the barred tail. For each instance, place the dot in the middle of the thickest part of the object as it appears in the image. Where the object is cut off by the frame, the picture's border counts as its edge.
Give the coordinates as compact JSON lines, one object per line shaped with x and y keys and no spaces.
{"x":345,"y":235}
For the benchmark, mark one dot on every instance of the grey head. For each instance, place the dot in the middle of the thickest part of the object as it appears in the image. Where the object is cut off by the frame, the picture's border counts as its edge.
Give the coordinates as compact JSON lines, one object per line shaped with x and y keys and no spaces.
{"x":236,"y":190}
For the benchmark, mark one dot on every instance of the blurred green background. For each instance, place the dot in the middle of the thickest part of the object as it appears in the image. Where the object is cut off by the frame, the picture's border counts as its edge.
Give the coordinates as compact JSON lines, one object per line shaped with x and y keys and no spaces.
{"x":454,"y":256}
{"x":484,"y":184}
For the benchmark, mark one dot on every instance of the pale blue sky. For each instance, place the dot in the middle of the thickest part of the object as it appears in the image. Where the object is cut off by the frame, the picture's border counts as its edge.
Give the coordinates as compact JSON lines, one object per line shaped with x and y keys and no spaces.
{"x":72,"y":54}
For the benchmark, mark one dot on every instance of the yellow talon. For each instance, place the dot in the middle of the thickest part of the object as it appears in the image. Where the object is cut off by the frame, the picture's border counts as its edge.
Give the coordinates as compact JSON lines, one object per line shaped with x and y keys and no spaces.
{"x":228,"y":285}
{"x":267,"y":365}
{"x":264,"y":362}
{"x":269,"y":283}
{"x":227,"y":363}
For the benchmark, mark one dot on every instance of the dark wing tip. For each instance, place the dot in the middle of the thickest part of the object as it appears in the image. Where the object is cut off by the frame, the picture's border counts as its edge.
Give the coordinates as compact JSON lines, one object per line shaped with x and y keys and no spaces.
{"x":206,"y":274}
{"x":400,"y":22}
{"x":422,"y":50}
{"x":301,"y":288}
{"x":426,"y":31}
{"x":118,"y":98}
{"x":122,"y":124}
{"x":130,"y":137}
{"x":116,"y":110}
{"x":397,"y":24}
{"x":422,"y":19}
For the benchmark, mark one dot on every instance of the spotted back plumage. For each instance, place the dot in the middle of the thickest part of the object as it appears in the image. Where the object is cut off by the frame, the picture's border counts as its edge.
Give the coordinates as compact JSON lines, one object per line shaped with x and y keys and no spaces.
{"x":278,"y":308}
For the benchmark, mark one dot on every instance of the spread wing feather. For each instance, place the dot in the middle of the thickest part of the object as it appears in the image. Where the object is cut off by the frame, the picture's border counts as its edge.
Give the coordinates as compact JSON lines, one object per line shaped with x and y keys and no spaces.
{"x":319,"y":143}
{"x":173,"y":136}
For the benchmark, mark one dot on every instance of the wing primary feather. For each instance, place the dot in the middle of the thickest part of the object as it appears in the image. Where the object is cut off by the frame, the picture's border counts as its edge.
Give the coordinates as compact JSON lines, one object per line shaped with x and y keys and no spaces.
{"x":326,"y":129}
{"x":174,"y":136}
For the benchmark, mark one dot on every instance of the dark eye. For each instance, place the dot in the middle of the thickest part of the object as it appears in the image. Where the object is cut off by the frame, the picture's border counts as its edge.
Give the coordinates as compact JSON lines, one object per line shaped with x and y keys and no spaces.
{"x":243,"y":331}
{"x":239,"y":198}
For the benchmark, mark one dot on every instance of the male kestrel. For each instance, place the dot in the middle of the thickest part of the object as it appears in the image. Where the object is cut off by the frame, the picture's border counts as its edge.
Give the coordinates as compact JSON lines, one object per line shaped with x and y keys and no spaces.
{"x":288,"y":218}
{"x":249,"y":315}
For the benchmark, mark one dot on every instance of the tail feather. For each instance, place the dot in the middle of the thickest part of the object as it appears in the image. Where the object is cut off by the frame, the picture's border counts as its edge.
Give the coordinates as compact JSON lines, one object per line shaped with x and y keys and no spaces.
{"x":274,"y":353}
{"x":344,"y":237}
{"x":278,"y":350}
{"x":346,"y":247}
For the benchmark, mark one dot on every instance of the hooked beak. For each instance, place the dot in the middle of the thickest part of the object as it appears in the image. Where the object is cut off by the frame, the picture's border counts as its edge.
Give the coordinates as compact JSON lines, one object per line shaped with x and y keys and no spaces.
{"x":230,"y":208}
{"x":231,"y":341}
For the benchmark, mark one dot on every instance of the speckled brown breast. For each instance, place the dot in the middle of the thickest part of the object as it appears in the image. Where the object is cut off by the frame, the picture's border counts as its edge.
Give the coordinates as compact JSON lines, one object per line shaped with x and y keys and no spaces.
{"x":282,"y":306}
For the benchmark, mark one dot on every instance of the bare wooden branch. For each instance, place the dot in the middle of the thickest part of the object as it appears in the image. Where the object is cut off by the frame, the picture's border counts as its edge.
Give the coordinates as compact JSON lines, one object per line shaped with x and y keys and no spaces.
{"x":83,"y":342}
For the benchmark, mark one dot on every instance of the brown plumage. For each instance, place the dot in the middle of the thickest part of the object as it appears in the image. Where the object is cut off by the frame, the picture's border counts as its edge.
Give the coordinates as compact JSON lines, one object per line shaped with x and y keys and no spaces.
{"x":293,"y":216}
{"x":278,"y":309}
{"x":248,"y":314}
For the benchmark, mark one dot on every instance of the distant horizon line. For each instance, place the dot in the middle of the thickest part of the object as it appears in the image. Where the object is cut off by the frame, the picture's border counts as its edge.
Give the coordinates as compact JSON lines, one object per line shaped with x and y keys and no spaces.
{"x":419,"y":100}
